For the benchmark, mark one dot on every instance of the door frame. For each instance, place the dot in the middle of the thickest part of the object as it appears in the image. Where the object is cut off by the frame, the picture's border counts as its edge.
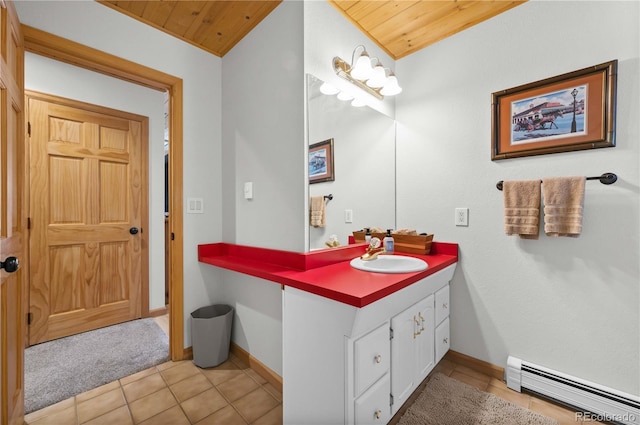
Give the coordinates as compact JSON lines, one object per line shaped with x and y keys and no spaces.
{"x":64,"y":50}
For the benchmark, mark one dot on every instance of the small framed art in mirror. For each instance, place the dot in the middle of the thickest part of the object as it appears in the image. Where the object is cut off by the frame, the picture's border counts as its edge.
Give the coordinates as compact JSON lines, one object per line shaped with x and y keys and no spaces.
{"x":321,"y":162}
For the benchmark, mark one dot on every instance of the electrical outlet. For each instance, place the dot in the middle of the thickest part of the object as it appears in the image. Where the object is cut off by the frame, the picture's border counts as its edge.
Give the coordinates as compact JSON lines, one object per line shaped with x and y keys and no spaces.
{"x":348,"y":216}
{"x":462,"y":217}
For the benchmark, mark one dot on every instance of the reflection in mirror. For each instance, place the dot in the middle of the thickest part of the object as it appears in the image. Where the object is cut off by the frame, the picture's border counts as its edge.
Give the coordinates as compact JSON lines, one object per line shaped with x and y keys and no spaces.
{"x":363,"y":188}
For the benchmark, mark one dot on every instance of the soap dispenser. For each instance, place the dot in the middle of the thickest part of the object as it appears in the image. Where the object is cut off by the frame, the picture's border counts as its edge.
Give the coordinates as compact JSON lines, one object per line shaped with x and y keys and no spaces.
{"x":367,"y":235}
{"x":388,"y":243}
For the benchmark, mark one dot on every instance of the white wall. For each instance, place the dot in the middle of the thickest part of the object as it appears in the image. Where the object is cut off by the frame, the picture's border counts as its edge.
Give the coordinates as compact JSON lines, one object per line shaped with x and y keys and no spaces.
{"x":263,"y":133}
{"x":263,"y":143}
{"x":60,"y":79}
{"x":568,"y":304}
{"x":100,"y":27}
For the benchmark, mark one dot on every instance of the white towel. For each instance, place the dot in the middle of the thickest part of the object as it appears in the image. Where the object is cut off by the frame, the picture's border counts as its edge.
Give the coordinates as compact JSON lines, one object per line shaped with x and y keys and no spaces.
{"x":316,"y":211}
{"x":563,"y":205}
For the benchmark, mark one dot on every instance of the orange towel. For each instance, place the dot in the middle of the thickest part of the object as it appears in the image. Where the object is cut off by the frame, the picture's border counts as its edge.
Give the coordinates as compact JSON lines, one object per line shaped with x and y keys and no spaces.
{"x":522,"y":208}
{"x":316,"y":211}
{"x":563,"y":205}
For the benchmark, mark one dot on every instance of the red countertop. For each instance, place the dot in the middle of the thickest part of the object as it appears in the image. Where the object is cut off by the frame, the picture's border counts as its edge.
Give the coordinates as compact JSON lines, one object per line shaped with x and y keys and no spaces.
{"x":324,"y":272}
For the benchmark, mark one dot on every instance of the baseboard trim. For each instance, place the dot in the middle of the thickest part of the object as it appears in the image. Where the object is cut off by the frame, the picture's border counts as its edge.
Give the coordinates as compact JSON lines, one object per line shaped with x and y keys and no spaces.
{"x":259,"y":367}
{"x":187,"y":353}
{"x":475,"y":364}
{"x":157,"y":312}
{"x":269,"y":375}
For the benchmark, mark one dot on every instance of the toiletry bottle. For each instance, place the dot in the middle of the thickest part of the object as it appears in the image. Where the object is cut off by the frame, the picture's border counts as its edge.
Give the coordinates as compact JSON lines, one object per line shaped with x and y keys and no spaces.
{"x":367,"y":235}
{"x":388,"y":243}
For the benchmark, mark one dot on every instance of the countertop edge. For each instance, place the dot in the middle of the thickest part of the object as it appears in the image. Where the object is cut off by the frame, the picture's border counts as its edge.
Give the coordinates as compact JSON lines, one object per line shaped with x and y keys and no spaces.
{"x":290,"y":268}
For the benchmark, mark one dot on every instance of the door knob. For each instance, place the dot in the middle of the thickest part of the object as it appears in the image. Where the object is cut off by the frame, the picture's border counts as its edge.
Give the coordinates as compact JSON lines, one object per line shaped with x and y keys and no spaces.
{"x":10,"y":264}
{"x":133,"y":230}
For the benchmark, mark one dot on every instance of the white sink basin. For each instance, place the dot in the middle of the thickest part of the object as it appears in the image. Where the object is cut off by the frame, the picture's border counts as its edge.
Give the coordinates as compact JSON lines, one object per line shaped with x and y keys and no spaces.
{"x":390,"y":264}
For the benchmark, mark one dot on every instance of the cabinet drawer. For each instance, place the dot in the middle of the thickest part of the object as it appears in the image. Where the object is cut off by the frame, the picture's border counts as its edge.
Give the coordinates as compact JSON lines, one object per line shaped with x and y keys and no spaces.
{"x":442,"y":339}
{"x":371,"y":357}
{"x":372,"y":407}
{"x":442,"y":304}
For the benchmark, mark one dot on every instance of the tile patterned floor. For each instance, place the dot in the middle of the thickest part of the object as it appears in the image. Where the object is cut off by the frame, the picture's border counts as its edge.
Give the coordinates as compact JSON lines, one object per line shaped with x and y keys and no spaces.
{"x":173,"y":393}
{"x":177,"y":393}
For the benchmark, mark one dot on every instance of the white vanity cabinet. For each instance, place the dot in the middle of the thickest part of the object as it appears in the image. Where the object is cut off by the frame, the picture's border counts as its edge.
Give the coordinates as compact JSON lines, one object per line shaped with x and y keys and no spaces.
{"x":342,"y":365}
{"x":412,"y":350}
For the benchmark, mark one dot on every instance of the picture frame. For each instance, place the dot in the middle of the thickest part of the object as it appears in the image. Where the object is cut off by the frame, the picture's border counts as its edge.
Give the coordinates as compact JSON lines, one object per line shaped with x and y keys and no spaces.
{"x":321,"y":162}
{"x":569,"y":112}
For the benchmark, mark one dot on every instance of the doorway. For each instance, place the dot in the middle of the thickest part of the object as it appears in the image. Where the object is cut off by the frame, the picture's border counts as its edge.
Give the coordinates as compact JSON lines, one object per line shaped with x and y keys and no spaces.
{"x":49,"y":45}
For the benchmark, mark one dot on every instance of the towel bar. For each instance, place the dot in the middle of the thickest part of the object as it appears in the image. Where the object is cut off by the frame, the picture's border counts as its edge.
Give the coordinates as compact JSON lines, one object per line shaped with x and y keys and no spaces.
{"x":329,"y":196}
{"x":606,"y":178}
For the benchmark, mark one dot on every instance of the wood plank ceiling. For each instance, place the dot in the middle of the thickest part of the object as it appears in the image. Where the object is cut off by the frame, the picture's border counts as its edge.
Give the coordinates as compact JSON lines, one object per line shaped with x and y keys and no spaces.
{"x":402,"y":27}
{"x":215,"y":26}
{"x":399,"y":27}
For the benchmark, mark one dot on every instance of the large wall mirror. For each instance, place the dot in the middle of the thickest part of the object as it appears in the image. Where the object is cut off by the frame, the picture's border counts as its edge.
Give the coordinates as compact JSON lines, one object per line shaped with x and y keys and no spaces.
{"x":363,"y":166}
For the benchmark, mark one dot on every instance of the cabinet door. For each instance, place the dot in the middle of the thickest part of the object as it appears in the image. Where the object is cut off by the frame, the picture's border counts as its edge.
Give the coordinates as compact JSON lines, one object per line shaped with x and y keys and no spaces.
{"x":424,"y":341}
{"x":371,"y":356}
{"x":442,"y":339}
{"x":403,"y":355}
{"x":373,"y":406}
{"x":442,"y":304}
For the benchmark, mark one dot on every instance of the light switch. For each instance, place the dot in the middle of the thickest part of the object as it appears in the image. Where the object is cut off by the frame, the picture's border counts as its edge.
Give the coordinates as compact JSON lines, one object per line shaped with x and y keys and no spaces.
{"x":248,"y":190}
{"x":195,"y":206}
{"x":348,"y":216}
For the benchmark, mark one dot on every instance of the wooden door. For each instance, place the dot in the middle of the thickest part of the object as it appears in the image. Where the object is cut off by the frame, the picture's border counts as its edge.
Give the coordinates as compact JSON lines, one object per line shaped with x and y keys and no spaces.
{"x":88,"y":212}
{"x":12,"y":218}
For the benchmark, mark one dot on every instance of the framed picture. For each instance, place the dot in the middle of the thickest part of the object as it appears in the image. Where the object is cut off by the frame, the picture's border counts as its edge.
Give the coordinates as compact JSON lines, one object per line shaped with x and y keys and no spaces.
{"x":321,"y":162}
{"x":570,"y":112}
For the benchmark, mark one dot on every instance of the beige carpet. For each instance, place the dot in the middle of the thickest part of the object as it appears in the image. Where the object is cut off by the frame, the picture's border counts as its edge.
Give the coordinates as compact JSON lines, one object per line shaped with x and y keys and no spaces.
{"x":62,"y":368}
{"x":446,"y":401}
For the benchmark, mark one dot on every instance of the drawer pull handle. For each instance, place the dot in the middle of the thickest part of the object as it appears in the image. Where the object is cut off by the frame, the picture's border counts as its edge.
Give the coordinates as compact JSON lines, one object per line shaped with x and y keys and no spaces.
{"x":417,"y":322}
{"x":446,"y":340}
{"x":445,"y":305}
{"x":378,"y":414}
{"x":378,"y":358}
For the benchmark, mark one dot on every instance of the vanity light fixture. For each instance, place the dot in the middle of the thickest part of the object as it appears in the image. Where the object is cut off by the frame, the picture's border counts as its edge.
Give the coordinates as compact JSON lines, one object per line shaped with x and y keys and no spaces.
{"x":362,"y":68}
{"x":373,"y":80}
{"x":328,"y":89}
{"x":392,"y":87}
{"x":345,"y":96}
{"x":378,"y":77}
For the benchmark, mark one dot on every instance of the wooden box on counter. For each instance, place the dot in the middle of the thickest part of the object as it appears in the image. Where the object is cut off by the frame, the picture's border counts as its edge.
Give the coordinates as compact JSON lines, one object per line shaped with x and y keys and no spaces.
{"x":411,"y":244}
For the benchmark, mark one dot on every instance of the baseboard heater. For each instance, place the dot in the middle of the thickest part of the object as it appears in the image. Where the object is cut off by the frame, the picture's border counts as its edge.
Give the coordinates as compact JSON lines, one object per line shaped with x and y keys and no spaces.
{"x":593,"y":401}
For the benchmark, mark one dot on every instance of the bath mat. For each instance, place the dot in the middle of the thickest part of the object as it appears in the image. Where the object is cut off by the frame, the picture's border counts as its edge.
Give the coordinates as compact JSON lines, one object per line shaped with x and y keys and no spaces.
{"x":446,"y":401}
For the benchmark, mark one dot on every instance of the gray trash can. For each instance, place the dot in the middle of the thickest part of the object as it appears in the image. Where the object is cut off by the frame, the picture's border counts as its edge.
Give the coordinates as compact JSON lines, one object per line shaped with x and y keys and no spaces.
{"x":211,"y":334}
